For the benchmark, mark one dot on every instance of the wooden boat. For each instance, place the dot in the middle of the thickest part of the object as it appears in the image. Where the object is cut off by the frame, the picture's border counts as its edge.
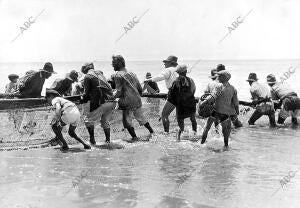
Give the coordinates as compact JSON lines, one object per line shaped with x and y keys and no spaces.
{"x":29,"y":103}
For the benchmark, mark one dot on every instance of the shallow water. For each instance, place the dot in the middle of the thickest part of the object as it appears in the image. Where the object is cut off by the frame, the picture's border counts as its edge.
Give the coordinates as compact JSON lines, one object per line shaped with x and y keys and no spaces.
{"x":162,"y":172}
{"x":159,"y":173}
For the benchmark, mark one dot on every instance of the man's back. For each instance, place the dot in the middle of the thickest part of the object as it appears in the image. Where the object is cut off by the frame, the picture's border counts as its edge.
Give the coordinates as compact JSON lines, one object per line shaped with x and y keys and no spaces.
{"x":227,"y":101}
{"x":279,"y":90}
{"x":31,"y":85}
{"x":130,"y":88}
{"x":62,"y":86}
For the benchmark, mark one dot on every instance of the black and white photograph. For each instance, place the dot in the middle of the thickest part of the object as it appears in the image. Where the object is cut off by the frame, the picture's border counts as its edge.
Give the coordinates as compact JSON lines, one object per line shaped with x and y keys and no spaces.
{"x":149,"y":104}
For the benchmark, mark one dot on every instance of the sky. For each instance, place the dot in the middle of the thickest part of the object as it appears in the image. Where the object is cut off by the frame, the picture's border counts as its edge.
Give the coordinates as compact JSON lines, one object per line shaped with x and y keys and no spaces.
{"x":87,"y":30}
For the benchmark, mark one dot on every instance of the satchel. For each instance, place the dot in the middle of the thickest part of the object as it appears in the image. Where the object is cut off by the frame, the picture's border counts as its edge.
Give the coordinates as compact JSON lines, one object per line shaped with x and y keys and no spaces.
{"x":205,"y":109}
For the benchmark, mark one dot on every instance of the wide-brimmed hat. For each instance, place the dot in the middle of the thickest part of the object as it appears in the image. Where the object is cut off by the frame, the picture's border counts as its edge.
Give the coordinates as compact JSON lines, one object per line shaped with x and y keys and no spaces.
{"x":50,"y":92}
{"x":220,"y":67}
{"x":181,"y":69}
{"x":87,"y":66}
{"x":225,"y":74}
{"x":271,"y":79}
{"x":252,"y":77}
{"x":148,"y":75}
{"x":171,"y":59}
{"x":48,"y":68}
{"x":213,"y":73}
{"x":73,"y":76}
{"x":13,"y":76}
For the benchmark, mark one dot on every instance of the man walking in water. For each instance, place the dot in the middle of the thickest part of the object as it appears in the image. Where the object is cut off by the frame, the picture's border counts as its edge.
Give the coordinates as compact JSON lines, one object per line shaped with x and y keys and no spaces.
{"x":182,"y":95}
{"x":226,"y":106}
{"x":258,"y":93}
{"x":287,"y":98}
{"x":169,"y":75}
{"x":129,"y":90}
{"x":101,"y":102}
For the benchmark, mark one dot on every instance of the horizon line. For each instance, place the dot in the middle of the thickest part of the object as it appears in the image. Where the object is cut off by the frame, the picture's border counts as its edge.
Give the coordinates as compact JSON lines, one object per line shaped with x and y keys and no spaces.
{"x":135,"y":60}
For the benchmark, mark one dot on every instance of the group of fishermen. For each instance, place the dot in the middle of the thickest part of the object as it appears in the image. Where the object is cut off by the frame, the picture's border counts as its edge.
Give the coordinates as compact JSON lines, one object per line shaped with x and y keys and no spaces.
{"x":123,"y":91}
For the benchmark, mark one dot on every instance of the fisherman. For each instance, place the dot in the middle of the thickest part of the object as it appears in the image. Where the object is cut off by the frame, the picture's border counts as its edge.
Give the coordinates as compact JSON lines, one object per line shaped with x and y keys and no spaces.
{"x":78,"y":88}
{"x":64,"y":86}
{"x":12,"y":86}
{"x":100,"y":102}
{"x":181,"y":94}
{"x":129,"y":91}
{"x":260,"y":92}
{"x":226,"y":105}
{"x":169,"y":75}
{"x":66,"y":113}
{"x":287,"y":99}
{"x":31,"y":85}
{"x":151,"y":88}
{"x":212,"y":86}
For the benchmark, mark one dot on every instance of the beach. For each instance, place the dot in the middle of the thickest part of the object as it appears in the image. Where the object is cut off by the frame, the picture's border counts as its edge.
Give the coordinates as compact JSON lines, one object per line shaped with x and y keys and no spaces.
{"x":161,"y":172}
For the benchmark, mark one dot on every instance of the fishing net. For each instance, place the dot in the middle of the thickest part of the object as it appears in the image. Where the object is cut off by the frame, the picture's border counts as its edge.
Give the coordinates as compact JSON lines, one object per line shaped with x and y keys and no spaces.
{"x":30,"y":128}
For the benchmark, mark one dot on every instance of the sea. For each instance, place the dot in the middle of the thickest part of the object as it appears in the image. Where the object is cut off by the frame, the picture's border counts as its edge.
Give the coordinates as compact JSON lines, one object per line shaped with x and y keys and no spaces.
{"x":260,"y":169}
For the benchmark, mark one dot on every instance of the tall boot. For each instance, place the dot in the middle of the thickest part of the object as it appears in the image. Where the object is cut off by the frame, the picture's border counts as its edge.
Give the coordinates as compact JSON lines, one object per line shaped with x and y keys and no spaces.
{"x":166,"y":124}
{"x":107,"y":135}
{"x":280,"y":120}
{"x":294,"y":121}
{"x":91,"y":133}
{"x":132,"y":133}
{"x":147,"y":125}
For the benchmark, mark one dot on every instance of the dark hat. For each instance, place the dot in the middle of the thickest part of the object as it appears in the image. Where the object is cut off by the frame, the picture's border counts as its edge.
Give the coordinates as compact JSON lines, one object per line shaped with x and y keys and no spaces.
{"x":73,"y":76}
{"x":181,"y":69}
{"x":148,"y":75}
{"x":13,"y":76}
{"x":87,"y":66}
{"x":271,"y":78}
{"x":252,"y":77}
{"x":213,"y":73}
{"x":220,"y":67}
{"x":48,"y":68}
{"x":171,"y":59}
{"x":224,"y":74}
{"x":50,"y":92}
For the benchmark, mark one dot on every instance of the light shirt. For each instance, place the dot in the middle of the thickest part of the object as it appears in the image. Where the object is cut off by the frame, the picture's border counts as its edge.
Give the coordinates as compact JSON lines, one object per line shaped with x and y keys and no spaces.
{"x":11,"y":87}
{"x":63,"y":103}
{"x":212,"y":86}
{"x":168,"y":74}
{"x":258,"y":91}
{"x":280,"y":90}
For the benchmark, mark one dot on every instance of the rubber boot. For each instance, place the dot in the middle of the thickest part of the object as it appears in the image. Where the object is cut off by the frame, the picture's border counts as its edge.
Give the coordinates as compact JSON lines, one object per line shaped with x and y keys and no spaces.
{"x":91,"y":133}
{"x":294,"y":121}
{"x":166,"y":124}
{"x":107,"y":135}
{"x":272,"y":120}
{"x":57,"y":131}
{"x":147,"y":125}
{"x":280,"y":120}
{"x":132,"y":133}
{"x":74,"y":135}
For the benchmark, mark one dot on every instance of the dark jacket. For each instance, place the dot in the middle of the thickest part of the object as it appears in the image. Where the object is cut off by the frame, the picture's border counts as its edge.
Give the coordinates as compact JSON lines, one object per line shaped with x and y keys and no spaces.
{"x":181,"y":94}
{"x":31,"y":85}
{"x":96,"y":90}
{"x":62,"y":86}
